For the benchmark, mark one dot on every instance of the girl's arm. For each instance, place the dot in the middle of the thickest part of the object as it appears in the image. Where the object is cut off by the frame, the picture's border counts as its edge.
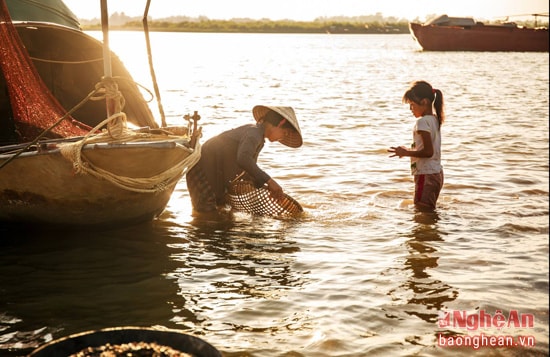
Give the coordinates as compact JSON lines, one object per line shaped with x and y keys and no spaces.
{"x":426,"y":151}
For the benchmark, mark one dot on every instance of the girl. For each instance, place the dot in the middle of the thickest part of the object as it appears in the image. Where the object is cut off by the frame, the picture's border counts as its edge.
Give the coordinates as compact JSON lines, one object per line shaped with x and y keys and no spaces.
{"x":425,"y":152}
{"x":225,"y":156}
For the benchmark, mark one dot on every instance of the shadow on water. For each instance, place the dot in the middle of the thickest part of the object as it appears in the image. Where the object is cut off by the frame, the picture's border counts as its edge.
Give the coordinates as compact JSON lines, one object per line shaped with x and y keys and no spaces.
{"x":424,"y":296}
{"x":194,"y":276}
{"x":54,"y":283}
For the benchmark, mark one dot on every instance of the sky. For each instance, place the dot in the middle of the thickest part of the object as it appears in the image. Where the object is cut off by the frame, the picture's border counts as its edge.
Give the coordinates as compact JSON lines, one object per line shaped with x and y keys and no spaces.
{"x":308,"y":10}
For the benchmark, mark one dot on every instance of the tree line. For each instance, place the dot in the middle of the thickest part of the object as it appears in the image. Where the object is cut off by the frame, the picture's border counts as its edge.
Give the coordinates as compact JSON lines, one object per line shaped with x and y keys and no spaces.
{"x":369,"y":24}
{"x":264,"y":26}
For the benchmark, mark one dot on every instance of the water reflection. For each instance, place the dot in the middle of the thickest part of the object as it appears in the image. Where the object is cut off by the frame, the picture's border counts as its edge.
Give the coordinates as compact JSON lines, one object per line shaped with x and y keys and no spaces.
{"x":205,"y":275}
{"x":55,"y":283}
{"x":227,"y":267}
{"x":424,"y":295}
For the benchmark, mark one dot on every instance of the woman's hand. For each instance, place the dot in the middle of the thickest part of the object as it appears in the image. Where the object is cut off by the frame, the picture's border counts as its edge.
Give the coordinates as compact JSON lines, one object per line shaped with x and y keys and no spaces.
{"x":275,"y":190}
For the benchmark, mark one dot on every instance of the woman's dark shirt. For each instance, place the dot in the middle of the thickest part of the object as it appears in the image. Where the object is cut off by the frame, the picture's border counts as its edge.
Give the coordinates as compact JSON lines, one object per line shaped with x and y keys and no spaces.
{"x":226,"y":155}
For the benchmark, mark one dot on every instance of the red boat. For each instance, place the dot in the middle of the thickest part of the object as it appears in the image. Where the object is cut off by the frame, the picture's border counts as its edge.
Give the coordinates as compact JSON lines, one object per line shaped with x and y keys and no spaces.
{"x":465,"y":34}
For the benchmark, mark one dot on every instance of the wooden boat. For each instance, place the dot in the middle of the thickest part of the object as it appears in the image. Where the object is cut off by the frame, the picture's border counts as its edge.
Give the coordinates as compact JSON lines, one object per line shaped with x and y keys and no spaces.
{"x":465,"y":34}
{"x":65,"y":157}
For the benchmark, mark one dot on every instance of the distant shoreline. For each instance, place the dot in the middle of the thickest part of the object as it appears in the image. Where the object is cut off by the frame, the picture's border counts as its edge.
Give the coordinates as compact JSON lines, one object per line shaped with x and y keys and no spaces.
{"x":118,"y":28}
{"x":261,"y":26}
{"x":373,"y":24}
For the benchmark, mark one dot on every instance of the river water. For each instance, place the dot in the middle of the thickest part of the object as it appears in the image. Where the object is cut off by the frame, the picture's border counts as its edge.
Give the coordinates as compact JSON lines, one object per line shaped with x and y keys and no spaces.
{"x":361,"y":273}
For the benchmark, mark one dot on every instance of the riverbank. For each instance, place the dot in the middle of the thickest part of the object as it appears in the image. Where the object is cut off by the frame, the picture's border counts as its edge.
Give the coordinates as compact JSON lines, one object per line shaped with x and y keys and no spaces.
{"x":263,"y":26}
{"x":370,"y":24}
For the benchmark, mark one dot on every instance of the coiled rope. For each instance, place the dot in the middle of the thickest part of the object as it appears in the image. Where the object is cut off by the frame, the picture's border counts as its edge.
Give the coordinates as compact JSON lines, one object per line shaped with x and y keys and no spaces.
{"x":117,"y":132}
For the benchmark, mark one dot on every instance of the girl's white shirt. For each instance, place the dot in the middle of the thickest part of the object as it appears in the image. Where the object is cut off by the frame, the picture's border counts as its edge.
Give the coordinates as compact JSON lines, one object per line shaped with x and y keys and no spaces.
{"x":422,"y":165}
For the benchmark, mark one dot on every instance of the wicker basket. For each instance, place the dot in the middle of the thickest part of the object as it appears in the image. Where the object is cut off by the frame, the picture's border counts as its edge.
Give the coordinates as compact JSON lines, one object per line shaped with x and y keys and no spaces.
{"x":244,"y":196}
{"x":119,"y":337}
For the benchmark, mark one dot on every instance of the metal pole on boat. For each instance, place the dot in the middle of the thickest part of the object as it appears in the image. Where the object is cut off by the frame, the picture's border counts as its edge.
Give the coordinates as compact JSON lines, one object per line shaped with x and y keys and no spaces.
{"x":105,"y":28}
{"x":107,"y":67}
{"x":151,"y":68}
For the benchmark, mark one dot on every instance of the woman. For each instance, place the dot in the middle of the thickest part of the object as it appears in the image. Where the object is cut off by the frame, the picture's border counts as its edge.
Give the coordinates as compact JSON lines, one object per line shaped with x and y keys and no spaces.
{"x":228,"y":154}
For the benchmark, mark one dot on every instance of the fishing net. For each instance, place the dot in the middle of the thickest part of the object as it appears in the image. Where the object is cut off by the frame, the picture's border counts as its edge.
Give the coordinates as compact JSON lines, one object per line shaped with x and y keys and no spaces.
{"x":244,"y":196}
{"x":34,"y":107}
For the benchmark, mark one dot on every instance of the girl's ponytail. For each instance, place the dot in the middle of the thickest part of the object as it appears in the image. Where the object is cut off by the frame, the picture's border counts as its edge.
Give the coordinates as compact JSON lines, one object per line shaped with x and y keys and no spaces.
{"x":438,"y":106}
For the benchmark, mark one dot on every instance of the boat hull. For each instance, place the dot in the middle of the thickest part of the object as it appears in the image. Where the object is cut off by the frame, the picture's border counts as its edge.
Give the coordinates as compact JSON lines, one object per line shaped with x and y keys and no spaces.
{"x":106,"y":177}
{"x":42,"y":187}
{"x":479,"y":38}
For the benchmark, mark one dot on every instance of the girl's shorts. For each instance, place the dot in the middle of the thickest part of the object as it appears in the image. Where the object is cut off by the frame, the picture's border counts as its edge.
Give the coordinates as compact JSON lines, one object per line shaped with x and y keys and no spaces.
{"x":426,"y":189}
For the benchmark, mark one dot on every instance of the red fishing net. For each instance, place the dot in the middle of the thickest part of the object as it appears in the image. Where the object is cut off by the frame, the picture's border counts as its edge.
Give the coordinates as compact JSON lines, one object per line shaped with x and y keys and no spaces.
{"x":33,"y":106}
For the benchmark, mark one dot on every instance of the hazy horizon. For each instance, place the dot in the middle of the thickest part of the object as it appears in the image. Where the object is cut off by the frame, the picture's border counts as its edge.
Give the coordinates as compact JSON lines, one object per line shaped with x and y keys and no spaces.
{"x":309,"y":10}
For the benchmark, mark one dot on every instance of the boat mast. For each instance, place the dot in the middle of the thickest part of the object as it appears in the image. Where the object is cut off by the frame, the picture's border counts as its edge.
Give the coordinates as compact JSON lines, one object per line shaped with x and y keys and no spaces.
{"x":110,"y":103}
{"x":107,"y":69}
{"x":151,"y":68}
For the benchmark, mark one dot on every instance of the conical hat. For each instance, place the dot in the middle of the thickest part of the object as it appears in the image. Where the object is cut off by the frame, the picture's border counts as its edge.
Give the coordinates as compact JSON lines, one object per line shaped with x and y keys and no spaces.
{"x":294,"y":140}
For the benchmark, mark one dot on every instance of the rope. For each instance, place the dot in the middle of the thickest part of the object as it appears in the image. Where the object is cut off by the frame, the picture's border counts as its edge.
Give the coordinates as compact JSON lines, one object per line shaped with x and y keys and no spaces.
{"x":154,"y":184}
{"x":66,"y":62}
{"x":118,"y":132}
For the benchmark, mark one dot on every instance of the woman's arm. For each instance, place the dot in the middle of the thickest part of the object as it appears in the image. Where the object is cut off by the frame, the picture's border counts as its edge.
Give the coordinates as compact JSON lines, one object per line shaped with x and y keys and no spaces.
{"x":275,"y":189}
{"x":247,"y":154}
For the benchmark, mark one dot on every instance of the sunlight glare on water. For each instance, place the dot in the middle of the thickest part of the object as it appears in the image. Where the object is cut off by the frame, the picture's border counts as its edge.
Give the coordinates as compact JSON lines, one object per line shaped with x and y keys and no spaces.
{"x":361,"y":272}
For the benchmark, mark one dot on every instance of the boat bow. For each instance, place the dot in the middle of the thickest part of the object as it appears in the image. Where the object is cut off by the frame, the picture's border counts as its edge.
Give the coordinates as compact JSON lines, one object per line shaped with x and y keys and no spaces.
{"x":58,"y":170}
